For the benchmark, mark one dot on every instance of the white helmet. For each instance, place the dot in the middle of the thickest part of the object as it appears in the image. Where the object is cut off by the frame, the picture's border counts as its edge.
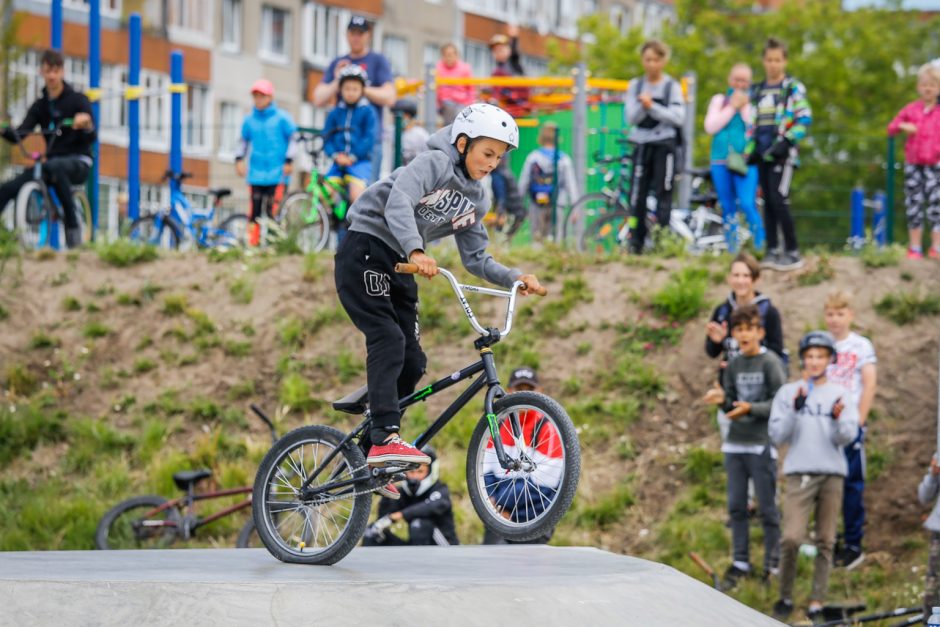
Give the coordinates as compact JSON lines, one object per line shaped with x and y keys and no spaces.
{"x":485,"y":120}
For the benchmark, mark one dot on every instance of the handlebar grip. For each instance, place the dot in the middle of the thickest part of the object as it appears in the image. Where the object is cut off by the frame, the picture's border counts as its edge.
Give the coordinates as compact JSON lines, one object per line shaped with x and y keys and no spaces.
{"x":406,"y":268}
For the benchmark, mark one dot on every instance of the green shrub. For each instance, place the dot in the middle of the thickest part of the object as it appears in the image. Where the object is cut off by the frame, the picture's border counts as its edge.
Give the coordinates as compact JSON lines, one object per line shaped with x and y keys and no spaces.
{"x":70,"y":303}
{"x":126,"y":300}
{"x":204,"y":409}
{"x":174,"y":304}
{"x":4,"y":312}
{"x":906,"y":307}
{"x":683,"y":297}
{"x":43,"y":340}
{"x":204,"y":325}
{"x":123,"y":252}
{"x":21,"y":380}
{"x":95,"y":329}
{"x":144,"y":364}
{"x":234,"y":348}
{"x":243,"y":390}
{"x":875,"y":257}
{"x":822,"y":272}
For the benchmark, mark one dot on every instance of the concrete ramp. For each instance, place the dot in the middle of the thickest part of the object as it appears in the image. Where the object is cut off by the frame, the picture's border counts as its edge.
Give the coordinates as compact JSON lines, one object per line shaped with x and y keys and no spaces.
{"x":489,"y":586}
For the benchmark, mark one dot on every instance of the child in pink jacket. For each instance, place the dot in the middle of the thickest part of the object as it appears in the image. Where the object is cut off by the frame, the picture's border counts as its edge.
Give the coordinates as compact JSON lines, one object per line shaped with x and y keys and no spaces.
{"x":920,"y":121}
{"x":452,"y":98}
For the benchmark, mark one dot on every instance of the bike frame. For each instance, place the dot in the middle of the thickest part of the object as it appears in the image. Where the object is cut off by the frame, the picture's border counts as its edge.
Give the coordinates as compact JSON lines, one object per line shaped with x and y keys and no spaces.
{"x":189,"y":501}
{"x":490,"y":380}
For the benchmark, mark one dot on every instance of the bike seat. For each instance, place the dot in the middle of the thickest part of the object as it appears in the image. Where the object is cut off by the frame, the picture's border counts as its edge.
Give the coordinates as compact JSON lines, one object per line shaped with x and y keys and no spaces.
{"x":220,"y":192}
{"x":188,"y":478}
{"x":704,"y":173}
{"x":354,"y":403}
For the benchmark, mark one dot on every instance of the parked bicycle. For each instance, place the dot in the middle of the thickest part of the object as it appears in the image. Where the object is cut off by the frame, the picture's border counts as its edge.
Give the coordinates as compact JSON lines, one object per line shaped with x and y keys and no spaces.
{"x":38,"y":211}
{"x":180,"y":223}
{"x":153,"y":522}
{"x":313,"y":490}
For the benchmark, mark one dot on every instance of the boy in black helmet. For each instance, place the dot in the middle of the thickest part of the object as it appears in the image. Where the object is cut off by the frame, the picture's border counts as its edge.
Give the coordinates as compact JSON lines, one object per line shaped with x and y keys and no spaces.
{"x":424,"y":505}
{"x":810,"y":416}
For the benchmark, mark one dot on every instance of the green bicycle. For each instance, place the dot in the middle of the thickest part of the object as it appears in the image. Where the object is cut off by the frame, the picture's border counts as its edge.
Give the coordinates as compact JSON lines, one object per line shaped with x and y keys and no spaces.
{"x":310,"y":215}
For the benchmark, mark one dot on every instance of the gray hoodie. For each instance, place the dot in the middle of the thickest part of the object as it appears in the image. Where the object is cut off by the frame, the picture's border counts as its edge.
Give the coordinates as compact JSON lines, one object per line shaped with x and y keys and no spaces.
{"x":927,"y":491}
{"x":662,"y":119}
{"x":429,"y":199}
{"x":815,"y":438}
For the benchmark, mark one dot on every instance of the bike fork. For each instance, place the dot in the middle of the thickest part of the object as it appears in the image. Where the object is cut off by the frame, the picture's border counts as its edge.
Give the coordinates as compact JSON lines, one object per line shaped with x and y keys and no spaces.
{"x":493,"y":392}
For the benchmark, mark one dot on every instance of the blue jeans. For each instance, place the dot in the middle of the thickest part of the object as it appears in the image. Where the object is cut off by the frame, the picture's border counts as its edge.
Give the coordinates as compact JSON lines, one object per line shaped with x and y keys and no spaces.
{"x":736,"y":191}
{"x":853,"y":505}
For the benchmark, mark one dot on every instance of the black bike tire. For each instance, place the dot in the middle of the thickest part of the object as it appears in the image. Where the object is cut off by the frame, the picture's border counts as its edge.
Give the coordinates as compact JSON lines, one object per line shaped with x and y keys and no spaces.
{"x":591,"y":234}
{"x":168,"y":223}
{"x":358,"y":516}
{"x":29,"y":231}
{"x":245,"y":535}
{"x":610,"y":205}
{"x":306,"y":199}
{"x":570,"y":477}
{"x":227,"y":227}
{"x":103,"y":530}
{"x":83,"y":213}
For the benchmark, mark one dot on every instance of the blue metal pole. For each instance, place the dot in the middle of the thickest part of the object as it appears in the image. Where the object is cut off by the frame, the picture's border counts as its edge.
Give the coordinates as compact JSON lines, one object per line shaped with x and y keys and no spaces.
{"x":56,"y":19}
{"x":133,"y":120}
{"x":177,"y":87}
{"x":94,"y":92}
{"x":857,"y":221}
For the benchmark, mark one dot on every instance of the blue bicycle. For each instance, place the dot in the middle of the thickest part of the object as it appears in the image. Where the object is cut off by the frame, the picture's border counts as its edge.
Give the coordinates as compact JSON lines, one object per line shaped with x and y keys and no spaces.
{"x":182,"y":223}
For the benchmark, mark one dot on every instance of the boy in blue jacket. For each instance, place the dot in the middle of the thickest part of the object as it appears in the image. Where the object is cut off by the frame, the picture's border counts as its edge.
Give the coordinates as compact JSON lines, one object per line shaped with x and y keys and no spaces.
{"x":349,"y":134}
{"x":268,"y":132}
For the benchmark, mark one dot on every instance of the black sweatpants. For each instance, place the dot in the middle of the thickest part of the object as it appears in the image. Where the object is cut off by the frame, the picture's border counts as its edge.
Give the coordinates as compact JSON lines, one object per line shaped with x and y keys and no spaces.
{"x":262,"y":201}
{"x":775,"y":179}
{"x":653,"y":168}
{"x":60,"y":173}
{"x":384,"y":306}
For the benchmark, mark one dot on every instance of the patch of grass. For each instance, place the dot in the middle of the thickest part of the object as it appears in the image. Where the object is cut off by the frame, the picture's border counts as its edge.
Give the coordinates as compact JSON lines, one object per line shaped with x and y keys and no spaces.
{"x":248,"y":330}
{"x":152,"y":438}
{"x":348,"y":366}
{"x":881,"y":257}
{"x":90,"y":439}
{"x":105,"y":289}
{"x":124,"y":252}
{"x":149,"y":291}
{"x":243,"y":390}
{"x":20,"y":380}
{"x":701,"y":465}
{"x":95,"y":329}
{"x":167,"y":403}
{"x":218,"y":255}
{"x":24,"y":426}
{"x":242,"y":290}
{"x":683,"y":297}
{"x":204,"y":409}
{"x":606,"y":509}
{"x":127,"y":300}
{"x":60,"y":279}
{"x":234,"y":348}
{"x":204,"y":325}
{"x":295,"y":392}
{"x":4,"y":312}
{"x":906,"y":307}
{"x":314,"y":268}
{"x":820,"y":273}
{"x":584,"y":348}
{"x":145,"y":342}
{"x":175,"y":304}
{"x":143,"y":365}
{"x":291,"y":332}
{"x":92,"y":308}
{"x":41,"y":340}
{"x":877,"y":459}
{"x":907,"y":276}
{"x":70,"y":303}
{"x":571,"y":386}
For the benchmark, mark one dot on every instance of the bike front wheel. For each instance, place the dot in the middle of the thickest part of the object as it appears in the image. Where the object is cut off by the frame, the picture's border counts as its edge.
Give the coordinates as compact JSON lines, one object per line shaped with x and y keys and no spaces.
{"x":156,"y":231}
{"x":134,"y":524}
{"x":528,"y":500}
{"x":32,"y":213}
{"x":321,"y":528}
{"x":305,"y":220}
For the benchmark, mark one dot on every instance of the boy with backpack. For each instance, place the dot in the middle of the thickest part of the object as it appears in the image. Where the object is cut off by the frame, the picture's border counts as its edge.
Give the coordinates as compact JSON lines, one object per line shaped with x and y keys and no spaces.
{"x":814,"y":418}
{"x":539,"y":181}
{"x":655,"y":111}
{"x":748,"y":385}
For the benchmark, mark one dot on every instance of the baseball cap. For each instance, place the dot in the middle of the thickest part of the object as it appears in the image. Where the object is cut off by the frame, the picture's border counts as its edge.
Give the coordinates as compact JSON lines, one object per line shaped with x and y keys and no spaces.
{"x":496,"y":40}
{"x":524,"y":375}
{"x":358,"y":22}
{"x":263,"y":86}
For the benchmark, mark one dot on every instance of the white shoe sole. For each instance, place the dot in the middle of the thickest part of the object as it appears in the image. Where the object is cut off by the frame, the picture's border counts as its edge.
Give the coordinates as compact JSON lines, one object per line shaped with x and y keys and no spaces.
{"x":389,"y":494}
{"x":384,"y":460}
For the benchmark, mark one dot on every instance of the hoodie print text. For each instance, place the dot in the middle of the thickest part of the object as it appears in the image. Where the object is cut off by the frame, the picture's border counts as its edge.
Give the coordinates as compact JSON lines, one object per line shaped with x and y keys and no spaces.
{"x":442,"y":204}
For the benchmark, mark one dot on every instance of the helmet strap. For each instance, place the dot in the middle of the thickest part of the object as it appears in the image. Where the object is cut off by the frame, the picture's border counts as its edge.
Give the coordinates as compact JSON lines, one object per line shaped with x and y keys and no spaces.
{"x":462,"y":160}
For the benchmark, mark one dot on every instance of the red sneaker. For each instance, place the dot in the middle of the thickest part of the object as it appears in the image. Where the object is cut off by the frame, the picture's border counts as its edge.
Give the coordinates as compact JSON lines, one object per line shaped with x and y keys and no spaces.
{"x":389,"y":491}
{"x":934,"y":253}
{"x":395,"y":451}
{"x":914,"y":254}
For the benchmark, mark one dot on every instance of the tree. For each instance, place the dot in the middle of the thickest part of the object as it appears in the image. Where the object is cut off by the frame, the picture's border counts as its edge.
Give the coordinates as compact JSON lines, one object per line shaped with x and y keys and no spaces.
{"x":859,"y":68}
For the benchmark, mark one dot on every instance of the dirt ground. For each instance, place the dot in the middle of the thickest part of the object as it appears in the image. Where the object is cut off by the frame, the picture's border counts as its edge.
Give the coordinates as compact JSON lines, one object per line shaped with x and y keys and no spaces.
{"x":34,"y":295}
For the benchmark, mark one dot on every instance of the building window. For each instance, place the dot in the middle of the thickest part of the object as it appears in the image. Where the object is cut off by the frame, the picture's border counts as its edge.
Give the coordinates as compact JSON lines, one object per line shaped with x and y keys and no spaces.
{"x":479,"y":58}
{"x":189,"y":15}
{"x":110,"y":8}
{"x":275,"y":34}
{"x":232,"y":25}
{"x":196,"y":119}
{"x":395,"y":50}
{"x":534,"y":66}
{"x":324,"y":33}
{"x":113,"y":117}
{"x":154,"y":108}
{"x":230,"y":126}
{"x":26,"y":84}
{"x":432,"y":53}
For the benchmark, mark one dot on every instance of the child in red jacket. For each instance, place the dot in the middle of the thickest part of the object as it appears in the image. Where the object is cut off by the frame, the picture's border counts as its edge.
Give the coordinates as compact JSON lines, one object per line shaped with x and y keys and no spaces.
{"x":920,"y":120}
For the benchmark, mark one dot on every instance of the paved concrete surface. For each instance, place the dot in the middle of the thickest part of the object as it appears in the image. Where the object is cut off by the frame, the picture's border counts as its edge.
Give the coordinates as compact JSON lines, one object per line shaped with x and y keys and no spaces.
{"x":489,"y":586}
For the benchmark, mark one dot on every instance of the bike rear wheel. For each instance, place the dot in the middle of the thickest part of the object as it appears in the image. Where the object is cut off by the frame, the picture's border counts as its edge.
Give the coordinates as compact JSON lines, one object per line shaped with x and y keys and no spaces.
{"x":248,"y":537}
{"x":82,"y":213}
{"x":305,"y":220}
{"x":127,"y":525}
{"x":156,"y":231}
{"x":318,"y":530}
{"x":526,"y":503}
{"x":583,"y":213}
{"x":609,"y":234}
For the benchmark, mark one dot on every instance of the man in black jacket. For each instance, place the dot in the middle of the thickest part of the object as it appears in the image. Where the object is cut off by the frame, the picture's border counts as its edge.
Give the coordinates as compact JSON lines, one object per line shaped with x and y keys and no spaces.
{"x":424,"y":504}
{"x":69,"y":159}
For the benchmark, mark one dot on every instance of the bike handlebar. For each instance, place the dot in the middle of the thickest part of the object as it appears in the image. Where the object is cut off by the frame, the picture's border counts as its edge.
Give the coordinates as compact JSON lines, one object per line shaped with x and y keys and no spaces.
{"x":410,"y":268}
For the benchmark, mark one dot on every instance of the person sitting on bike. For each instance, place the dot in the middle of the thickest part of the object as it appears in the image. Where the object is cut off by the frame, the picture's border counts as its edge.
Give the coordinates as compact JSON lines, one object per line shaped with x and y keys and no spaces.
{"x":546,"y":444}
{"x":424,"y":504}
{"x":68,"y":159}
{"x":349,"y":135}
{"x":268,"y":130}
{"x":437,"y":194}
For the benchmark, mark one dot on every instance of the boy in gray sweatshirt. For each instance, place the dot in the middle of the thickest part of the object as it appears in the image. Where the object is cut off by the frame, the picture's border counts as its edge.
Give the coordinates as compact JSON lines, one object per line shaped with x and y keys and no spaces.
{"x":927,"y":493}
{"x":815,"y":419}
{"x":436,"y":195}
{"x":748,"y":384}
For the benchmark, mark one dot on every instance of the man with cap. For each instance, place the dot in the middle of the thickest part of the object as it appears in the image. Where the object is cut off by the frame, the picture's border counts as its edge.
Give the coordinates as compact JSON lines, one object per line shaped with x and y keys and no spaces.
{"x":544,"y":441}
{"x":267,"y":134}
{"x":381,"y":90}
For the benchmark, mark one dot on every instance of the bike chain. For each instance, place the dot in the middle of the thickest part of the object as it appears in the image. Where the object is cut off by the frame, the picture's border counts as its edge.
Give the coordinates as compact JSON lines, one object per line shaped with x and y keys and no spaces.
{"x":352,"y":495}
